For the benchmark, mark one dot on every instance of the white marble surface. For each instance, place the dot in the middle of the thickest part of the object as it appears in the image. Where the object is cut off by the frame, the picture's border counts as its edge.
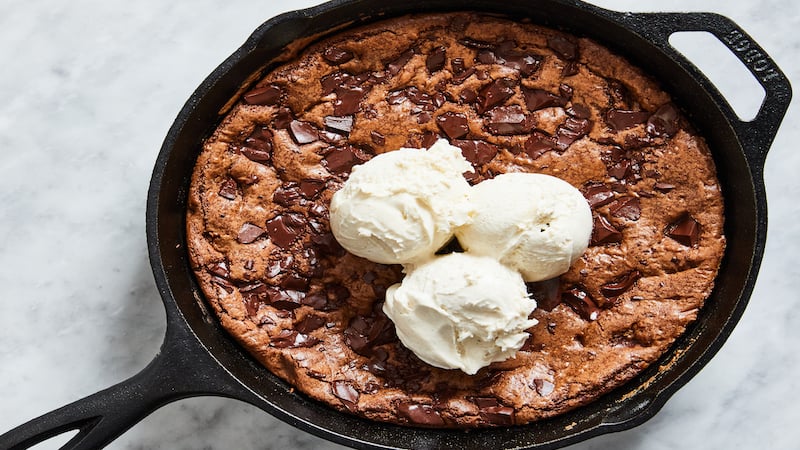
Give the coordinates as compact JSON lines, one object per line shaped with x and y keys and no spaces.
{"x":88,"y":89}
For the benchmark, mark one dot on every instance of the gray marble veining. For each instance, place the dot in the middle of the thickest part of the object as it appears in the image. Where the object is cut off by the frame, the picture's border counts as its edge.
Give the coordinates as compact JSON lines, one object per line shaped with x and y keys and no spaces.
{"x":88,"y":89}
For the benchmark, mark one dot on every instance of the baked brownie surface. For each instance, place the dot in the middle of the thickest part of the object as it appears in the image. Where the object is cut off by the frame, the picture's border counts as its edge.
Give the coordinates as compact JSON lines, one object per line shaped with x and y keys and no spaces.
{"x":513,"y":97}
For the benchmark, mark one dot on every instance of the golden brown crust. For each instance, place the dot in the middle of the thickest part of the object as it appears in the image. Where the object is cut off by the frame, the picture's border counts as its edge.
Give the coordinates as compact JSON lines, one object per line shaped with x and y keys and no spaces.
{"x":260,"y":244}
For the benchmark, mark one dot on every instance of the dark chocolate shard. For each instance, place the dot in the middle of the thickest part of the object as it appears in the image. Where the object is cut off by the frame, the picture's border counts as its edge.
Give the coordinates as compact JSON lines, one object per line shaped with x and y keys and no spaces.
{"x":604,"y":232}
{"x":620,"y":120}
{"x":547,"y":293}
{"x":394,"y":67}
{"x":342,"y":159}
{"x":377,"y":138}
{"x":303,"y":132}
{"x":664,"y":122}
{"x":228,"y":189}
{"x":267,"y":95}
{"x":508,"y":120}
{"x":685,"y":230}
{"x":310,"y":188}
{"x":495,"y":93}
{"x":538,"y":144}
{"x":598,"y":194}
{"x":285,"y":299}
{"x":337,"y":55}
{"x":536,"y":99}
{"x":563,"y":47}
{"x":435,"y":61}
{"x":292,"y":339}
{"x":348,"y":100}
{"x":571,"y":130}
{"x":420,"y":414}
{"x":286,"y":195}
{"x":294,"y":282}
{"x":339,"y":124}
{"x":310,"y":323}
{"x":455,"y":125}
{"x":663,"y":187}
{"x":498,"y":415}
{"x":219,"y":269}
{"x":579,"y":111}
{"x":249,"y":232}
{"x":477,"y":152}
{"x":582,"y":303}
{"x":620,"y":285}
{"x":345,"y":392}
{"x":626,"y":207}
{"x":543,"y":387}
{"x":281,"y":230}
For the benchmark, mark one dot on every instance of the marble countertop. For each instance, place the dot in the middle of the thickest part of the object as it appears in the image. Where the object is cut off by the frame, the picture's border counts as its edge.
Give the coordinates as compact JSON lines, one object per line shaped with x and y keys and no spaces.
{"x":88,"y":90}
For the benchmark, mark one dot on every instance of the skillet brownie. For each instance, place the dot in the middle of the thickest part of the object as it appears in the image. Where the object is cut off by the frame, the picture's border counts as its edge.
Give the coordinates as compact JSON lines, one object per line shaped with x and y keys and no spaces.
{"x":514,"y":97}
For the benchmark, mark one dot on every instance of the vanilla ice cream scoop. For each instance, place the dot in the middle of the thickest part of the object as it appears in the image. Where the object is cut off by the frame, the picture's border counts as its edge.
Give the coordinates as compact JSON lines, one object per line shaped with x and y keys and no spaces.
{"x":534,"y":223}
{"x":402,"y":206}
{"x":459,"y":311}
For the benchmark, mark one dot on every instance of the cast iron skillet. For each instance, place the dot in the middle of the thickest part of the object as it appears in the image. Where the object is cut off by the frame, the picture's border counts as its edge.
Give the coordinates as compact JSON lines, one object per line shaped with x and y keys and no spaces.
{"x":199,"y":358}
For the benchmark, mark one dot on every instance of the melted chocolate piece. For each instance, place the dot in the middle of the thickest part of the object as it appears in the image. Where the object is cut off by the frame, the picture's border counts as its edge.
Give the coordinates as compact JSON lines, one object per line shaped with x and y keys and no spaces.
{"x":287,"y":195}
{"x":583,"y":304}
{"x":538,"y":144}
{"x":435,"y":61}
{"x":366,"y":332}
{"x":547,"y":293}
{"x":420,"y":414}
{"x":620,"y":285}
{"x":572,"y":130}
{"x":303,"y":132}
{"x":228,"y":189}
{"x":664,"y":122}
{"x":685,"y":230}
{"x":327,"y":244}
{"x":337,"y":55}
{"x":620,"y":120}
{"x":563,"y":47}
{"x":663,"y":187}
{"x":397,"y":65}
{"x":477,"y":152}
{"x":310,"y":188}
{"x":345,"y":392}
{"x":267,"y":95}
{"x":282,"y":230}
{"x":340,"y":160}
{"x":348,"y":100}
{"x":454,"y":125}
{"x":508,"y":120}
{"x":248,"y":233}
{"x":377,"y":138}
{"x":219,"y":269}
{"x":598,"y":194}
{"x":626,"y":207}
{"x":292,"y":339}
{"x":310,"y":323}
{"x":495,"y":93}
{"x":285,"y":299}
{"x":543,"y":387}
{"x":339,"y":124}
{"x":536,"y":99}
{"x":603,"y":232}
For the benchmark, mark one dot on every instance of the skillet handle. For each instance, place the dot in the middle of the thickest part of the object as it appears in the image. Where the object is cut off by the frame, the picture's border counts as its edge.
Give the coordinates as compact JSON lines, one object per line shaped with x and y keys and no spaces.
{"x":756,"y":135}
{"x":181,"y":369}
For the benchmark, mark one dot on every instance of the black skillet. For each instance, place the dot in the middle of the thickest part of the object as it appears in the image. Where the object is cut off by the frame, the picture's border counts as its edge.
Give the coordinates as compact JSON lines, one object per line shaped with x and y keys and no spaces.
{"x":199,"y":358}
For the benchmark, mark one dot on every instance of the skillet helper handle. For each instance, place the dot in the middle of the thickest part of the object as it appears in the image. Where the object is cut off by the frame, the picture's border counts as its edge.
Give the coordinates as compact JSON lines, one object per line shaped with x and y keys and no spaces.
{"x":756,"y":135}
{"x":179,"y":370}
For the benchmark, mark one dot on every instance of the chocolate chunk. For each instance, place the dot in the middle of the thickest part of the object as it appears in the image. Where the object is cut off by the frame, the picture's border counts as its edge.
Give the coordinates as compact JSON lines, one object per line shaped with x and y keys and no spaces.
{"x":495,"y":93}
{"x":525,"y":63}
{"x":286,"y":195}
{"x":317,"y":300}
{"x":275,"y":268}
{"x":572,"y":130}
{"x":457,"y":66}
{"x":580,"y":301}
{"x":285,"y":299}
{"x":664,"y":122}
{"x":377,"y":362}
{"x":292,"y":339}
{"x":626,"y":207}
{"x":267,"y":95}
{"x":435,"y":61}
{"x":543,"y":387}
{"x":348,"y":100}
{"x":579,"y":111}
{"x":462,"y":77}
{"x":536,"y":99}
{"x":219,"y":269}
{"x":498,"y":415}
{"x":254,"y":296}
{"x":334,"y":80}
{"x":303,"y":132}
{"x":508,"y":120}
{"x":563,"y":47}
{"x":336,"y":292}
{"x":477,"y":152}
{"x":663,"y":187}
{"x":294,"y":282}
{"x":620,"y":120}
{"x":603,"y":232}
{"x":420,"y":414}
{"x":428,"y":138}
{"x":454,"y":125}
{"x":228,"y":189}
{"x":282,"y":119}
{"x":339,"y":124}
{"x":256,"y":155}
{"x":337,"y":55}
{"x":258,"y":146}
{"x":685,"y":230}
{"x":345,"y":392}
{"x":310,"y":323}
{"x":342,"y":159}
{"x":223,"y":283}
{"x":248,"y":233}
{"x":377,"y":138}
{"x":598,"y":194}
{"x":620,"y":170}
{"x":327,"y":244}
{"x":310,"y":188}
{"x":475,"y":43}
{"x":280,"y":230}
{"x":538,"y":144}
{"x":620,"y":285}
{"x":547,"y":293}
{"x":397,"y":65}
{"x":570,"y":68}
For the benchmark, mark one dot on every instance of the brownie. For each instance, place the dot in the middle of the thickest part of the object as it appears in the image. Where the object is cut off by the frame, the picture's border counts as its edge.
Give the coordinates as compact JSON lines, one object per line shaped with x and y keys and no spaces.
{"x":514,"y":97}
